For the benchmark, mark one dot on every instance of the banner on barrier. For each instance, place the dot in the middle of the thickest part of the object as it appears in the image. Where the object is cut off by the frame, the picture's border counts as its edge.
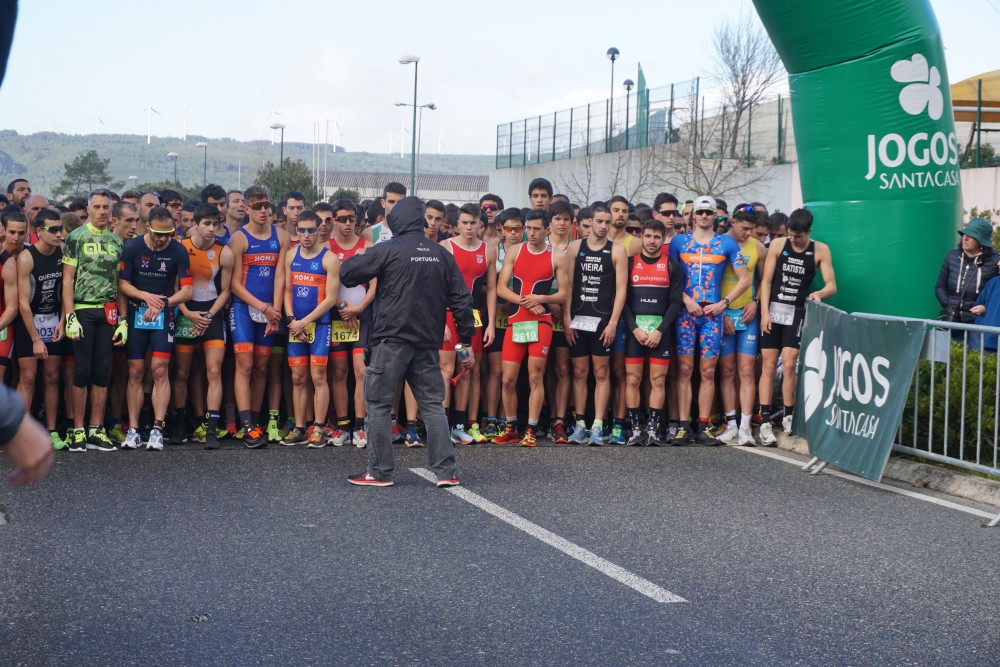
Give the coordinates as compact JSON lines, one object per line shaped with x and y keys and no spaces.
{"x":854,"y":375}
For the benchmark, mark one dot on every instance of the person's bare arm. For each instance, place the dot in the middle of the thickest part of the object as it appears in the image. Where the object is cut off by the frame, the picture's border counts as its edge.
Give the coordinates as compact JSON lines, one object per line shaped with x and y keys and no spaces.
{"x":825,"y":261}
{"x":770,"y":265}
{"x":506,"y":271}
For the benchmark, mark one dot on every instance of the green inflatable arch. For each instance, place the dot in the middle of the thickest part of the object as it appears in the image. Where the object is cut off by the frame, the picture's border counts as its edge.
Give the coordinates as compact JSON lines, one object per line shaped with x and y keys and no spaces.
{"x":875,"y":135}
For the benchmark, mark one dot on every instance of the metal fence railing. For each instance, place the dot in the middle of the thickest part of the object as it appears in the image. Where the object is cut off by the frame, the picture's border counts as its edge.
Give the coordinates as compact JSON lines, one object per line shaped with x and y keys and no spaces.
{"x":681,"y":112}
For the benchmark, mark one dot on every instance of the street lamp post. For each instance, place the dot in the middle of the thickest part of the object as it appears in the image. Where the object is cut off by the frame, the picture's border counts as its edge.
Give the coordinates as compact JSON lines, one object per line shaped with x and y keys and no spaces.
{"x":420,"y":126}
{"x":204,"y":169}
{"x":613,"y":54}
{"x":406,"y":60}
{"x":281,"y":164}
{"x":629,"y":84}
{"x":173,"y":155}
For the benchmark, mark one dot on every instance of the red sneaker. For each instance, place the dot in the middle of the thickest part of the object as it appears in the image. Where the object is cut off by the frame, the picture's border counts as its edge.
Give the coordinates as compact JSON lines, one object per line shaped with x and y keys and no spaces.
{"x":508,"y":436}
{"x":365,"y":479}
{"x":443,"y":483}
{"x":528,"y":439}
{"x":559,"y":436}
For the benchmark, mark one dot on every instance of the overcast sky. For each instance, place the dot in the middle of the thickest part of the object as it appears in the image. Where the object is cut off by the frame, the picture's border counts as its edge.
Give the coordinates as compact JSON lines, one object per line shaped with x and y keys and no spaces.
{"x":234,"y":62}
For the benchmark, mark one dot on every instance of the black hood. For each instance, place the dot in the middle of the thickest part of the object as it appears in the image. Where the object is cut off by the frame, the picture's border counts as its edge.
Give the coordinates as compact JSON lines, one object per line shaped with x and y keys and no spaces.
{"x":406,"y":217}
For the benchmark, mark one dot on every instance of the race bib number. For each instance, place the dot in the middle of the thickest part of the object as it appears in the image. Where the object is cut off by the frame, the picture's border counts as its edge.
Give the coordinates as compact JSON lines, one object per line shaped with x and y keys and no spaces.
{"x":142,"y":323}
{"x":185,"y":328}
{"x":782,"y":313}
{"x":340,"y":332}
{"x":476,"y":316}
{"x":310,"y":332}
{"x":46,"y":326}
{"x":257,"y":315}
{"x":736,"y":315}
{"x":111,"y":313}
{"x":526,"y":332}
{"x":502,"y":322}
{"x":558,"y":325}
{"x":585,"y":323}
{"x":648,"y":323}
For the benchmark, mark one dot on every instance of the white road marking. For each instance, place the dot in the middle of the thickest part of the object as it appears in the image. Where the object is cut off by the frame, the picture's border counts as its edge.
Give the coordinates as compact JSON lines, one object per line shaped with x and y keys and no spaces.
{"x":868,"y":482}
{"x":606,"y":567}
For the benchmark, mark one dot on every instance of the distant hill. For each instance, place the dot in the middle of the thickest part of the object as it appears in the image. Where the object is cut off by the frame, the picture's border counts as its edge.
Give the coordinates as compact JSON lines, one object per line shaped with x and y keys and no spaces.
{"x":40,"y":158}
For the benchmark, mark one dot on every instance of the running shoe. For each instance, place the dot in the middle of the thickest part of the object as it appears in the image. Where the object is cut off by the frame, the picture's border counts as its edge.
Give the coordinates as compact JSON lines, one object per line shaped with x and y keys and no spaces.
{"x":605,"y":433}
{"x":314,"y":438}
{"x":729,"y":435}
{"x":77,"y":440}
{"x":255,"y":438}
{"x":652,"y":436}
{"x":58,"y":443}
{"x":671,"y":432}
{"x":287,"y":427}
{"x":508,"y":436}
{"x":683,"y":437}
{"x":767,"y":435}
{"x":211,"y":441}
{"x":716,"y":430}
{"x":491,"y":430}
{"x":745,"y":438}
{"x":273,"y":434}
{"x":177,"y":435}
{"x":117,"y":434}
{"x":617,"y":435}
{"x":559,"y":433}
{"x":528,"y":439}
{"x":296,"y":437}
{"x":132,"y":440}
{"x":637,"y":439}
{"x":360,"y":438}
{"x":475,"y":434}
{"x":155,"y":441}
{"x":397,"y":432}
{"x":445,"y":483}
{"x":704,"y":437}
{"x":230,"y":430}
{"x":413,"y":440}
{"x":365,"y":479}
{"x":200,"y":433}
{"x":460,"y":437}
{"x":786,"y":423}
{"x":596,"y":436}
{"x":100,"y":441}
{"x":336,"y":436}
{"x":578,"y":436}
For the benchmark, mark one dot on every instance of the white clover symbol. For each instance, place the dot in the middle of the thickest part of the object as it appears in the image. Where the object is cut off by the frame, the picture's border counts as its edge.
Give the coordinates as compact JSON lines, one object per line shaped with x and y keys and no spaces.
{"x":923,"y":89}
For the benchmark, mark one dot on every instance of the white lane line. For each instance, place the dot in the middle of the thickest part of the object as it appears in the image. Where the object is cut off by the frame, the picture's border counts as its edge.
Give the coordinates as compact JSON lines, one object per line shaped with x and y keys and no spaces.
{"x":874,"y":485}
{"x":619,"y":574}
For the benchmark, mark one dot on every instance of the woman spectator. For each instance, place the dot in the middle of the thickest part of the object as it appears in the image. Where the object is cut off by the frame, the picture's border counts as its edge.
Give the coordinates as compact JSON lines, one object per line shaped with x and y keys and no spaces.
{"x":965,"y":272}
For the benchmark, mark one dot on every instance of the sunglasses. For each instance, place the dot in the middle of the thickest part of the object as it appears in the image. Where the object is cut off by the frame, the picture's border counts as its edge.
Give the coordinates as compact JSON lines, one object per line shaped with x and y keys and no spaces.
{"x":634,"y":231}
{"x":670,"y":213}
{"x":163,"y":233}
{"x":175,"y":204}
{"x":346,"y":218}
{"x":53,"y":229}
{"x":511,"y":230}
{"x":705,"y":211}
{"x":746,"y":209}
{"x":490,"y":207}
{"x":327,"y":220}
{"x":307,"y":231}
{"x":680,"y":227}
{"x":260,"y":205}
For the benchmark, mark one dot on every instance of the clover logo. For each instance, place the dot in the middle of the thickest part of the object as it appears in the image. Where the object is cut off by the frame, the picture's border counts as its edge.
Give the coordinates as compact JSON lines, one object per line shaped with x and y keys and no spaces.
{"x":923,"y":89}
{"x":814,"y":363}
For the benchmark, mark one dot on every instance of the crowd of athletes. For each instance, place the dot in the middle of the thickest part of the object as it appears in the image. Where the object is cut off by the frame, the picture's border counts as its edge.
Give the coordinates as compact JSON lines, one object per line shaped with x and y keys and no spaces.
{"x":141,"y":320}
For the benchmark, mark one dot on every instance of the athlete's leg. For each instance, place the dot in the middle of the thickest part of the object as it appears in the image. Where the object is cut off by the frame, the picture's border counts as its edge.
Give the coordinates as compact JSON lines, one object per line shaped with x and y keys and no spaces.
{"x":789,"y":376}
{"x":536,"y":383}
{"x":633,"y":379}
{"x":727,"y":381}
{"x":160,"y":370}
{"x":706,"y":392}
{"x":300,"y":377}
{"x":657,"y":380}
{"x":214,"y":358}
{"x":320,"y":389}
{"x":563,"y":381}
{"x":602,"y":384}
{"x":447,"y":372}
{"x":28,"y":367}
{"x":769,"y":366}
{"x":494,"y":376}
{"x":509,"y":388}
{"x":134,"y":391}
{"x":340,"y":361}
{"x":746,"y":365}
{"x":684,"y":373}
{"x":183,"y":360}
{"x":50,"y":378}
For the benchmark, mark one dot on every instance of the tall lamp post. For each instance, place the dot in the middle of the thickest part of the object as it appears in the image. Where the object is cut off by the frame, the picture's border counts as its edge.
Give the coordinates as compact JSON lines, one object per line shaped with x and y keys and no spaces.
{"x":281,"y":164}
{"x":406,"y":60}
{"x":629,"y":84}
{"x":173,"y":155}
{"x":613,"y":54}
{"x":204,"y":168}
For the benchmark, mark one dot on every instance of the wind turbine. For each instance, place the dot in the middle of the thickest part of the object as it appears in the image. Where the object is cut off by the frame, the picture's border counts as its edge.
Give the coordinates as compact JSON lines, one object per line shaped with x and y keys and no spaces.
{"x":100,"y":122}
{"x":402,"y":139}
{"x":149,"y":118}
{"x":184,"y":126}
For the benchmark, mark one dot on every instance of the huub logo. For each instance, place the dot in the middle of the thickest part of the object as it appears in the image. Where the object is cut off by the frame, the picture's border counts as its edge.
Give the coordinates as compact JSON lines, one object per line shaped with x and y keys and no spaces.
{"x":921,"y":93}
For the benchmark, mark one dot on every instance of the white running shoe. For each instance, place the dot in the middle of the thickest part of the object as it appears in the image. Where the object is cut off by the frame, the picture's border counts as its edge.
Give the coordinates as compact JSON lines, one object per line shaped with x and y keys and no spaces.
{"x":729,"y":435}
{"x":360,"y":438}
{"x":132,"y":440}
{"x":786,"y":424}
{"x":460,"y":437}
{"x":155,"y":440}
{"x":745,"y":438}
{"x":767,"y":435}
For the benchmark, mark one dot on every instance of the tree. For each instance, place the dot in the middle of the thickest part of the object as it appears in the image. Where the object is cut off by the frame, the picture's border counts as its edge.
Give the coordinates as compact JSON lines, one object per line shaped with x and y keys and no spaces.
{"x":297,"y":178}
{"x":747,"y":67}
{"x":345,"y":193}
{"x":86,"y":173}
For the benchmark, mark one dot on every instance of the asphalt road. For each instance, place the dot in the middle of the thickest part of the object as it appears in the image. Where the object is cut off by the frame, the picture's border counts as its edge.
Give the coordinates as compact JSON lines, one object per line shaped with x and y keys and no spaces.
{"x":269,"y":557}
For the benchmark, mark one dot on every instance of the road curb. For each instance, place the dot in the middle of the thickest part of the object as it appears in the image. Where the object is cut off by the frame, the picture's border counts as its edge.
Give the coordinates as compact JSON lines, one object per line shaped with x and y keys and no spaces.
{"x":920,"y":475}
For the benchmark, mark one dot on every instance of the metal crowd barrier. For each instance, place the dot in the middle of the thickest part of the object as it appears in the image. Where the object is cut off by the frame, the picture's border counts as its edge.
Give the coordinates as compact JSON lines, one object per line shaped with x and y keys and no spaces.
{"x":952,"y":413}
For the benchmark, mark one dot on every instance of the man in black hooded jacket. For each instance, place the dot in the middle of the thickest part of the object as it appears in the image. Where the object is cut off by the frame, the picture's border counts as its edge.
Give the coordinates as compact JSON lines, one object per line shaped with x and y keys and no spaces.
{"x":418,"y":281}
